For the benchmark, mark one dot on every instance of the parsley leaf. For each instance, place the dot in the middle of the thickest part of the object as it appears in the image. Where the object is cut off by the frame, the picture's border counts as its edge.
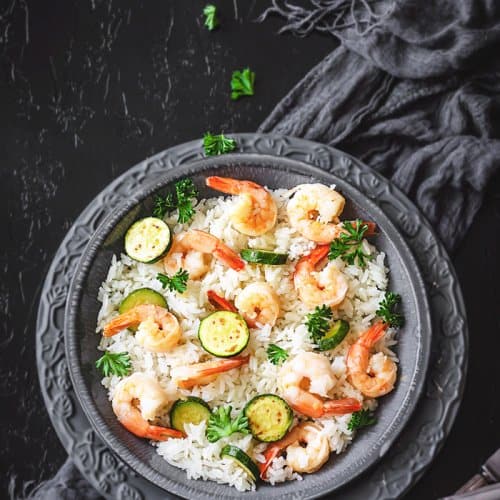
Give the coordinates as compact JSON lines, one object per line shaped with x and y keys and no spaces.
{"x":276,"y":354}
{"x":114,"y":363}
{"x":211,"y":20}
{"x":185,"y":193}
{"x":177,"y":282}
{"x":386,"y":310}
{"x":218,"y":144}
{"x":360,"y":419}
{"x":242,"y":83}
{"x":318,"y":322}
{"x":220,"y":424}
{"x":163,"y":205}
{"x":349,"y":245}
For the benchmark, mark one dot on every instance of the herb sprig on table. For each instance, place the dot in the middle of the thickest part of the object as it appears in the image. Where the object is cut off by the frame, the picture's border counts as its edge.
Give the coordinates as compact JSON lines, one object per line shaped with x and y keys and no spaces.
{"x":114,"y":363}
{"x":211,"y":20}
{"x":276,"y":354}
{"x":386,"y":310}
{"x":182,"y":200}
{"x":175,"y":283}
{"x":349,"y":245}
{"x":220,"y":424}
{"x":218,"y":144}
{"x":318,"y":322}
{"x":242,"y":83}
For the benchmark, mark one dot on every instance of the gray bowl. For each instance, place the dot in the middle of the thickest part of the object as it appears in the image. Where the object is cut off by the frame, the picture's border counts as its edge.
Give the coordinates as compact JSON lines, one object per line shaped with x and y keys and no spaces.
{"x":81,"y":341}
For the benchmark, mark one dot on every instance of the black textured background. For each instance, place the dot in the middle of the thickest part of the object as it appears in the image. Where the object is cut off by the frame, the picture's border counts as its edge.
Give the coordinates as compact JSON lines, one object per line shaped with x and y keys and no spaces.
{"x":89,"y":88}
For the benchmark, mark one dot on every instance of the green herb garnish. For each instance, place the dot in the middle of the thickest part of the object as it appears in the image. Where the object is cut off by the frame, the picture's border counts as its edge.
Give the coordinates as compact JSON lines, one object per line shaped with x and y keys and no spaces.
{"x":220,"y":424}
{"x":242,"y":83}
{"x":360,"y":419}
{"x":218,"y":144}
{"x":114,"y":363}
{"x":177,"y":282}
{"x":276,"y":354}
{"x":386,"y":310}
{"x":185,"y":193}
{"x":318,"y":322}
{"x":349,"y":245}
{"x":163,"y":205}
{"x":210,"y":12}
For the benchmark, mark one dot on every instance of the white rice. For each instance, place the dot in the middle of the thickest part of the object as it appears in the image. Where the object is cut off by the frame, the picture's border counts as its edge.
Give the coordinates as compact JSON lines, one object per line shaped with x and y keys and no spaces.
{"x":195,"y":454}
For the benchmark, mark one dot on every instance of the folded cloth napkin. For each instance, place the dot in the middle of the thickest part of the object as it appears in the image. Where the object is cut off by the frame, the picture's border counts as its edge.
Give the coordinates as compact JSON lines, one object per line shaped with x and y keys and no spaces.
{"x":413,"y":91}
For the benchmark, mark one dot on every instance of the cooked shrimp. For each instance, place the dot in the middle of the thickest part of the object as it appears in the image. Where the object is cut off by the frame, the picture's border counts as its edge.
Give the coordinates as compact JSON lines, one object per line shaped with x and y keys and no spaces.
{"x":314,"y":212}
{"x":139,"y":399}
{"x":158,"y":331}
{"x":307,"y":449}
{"x":187,"y":377}
{"x":193,"y":251}
{"x":306,"y":380}
{"x":258,"y":303}
{"x":256,"y":211}
{"x":374,"y":377}
{"x":328,"y":286}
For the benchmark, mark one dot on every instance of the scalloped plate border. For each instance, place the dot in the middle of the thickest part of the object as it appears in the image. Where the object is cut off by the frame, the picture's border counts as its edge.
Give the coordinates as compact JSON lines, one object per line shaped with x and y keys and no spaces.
{"x":412,"y":452}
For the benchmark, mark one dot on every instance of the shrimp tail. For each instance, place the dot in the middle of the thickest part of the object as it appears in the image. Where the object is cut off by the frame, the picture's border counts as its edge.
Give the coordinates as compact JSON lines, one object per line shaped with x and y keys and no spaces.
{"x":158,"y":433}
{"x":229,"y":257}
{"x":372,"y":228}
{"x":219,"y":302}
{"x":230,"y":186}
{"x":121,"y":322}
{"x":344,"y":406}
{"x":316,"y":256}
{"x":373,"y":334}
{"x":224,"y":365}
{"x":269,"y":455}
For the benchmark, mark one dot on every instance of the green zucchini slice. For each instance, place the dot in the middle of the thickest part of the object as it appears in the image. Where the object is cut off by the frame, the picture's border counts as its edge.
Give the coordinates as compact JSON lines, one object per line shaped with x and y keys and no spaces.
{"x":142,"y":296}
{"x":242,"y":459}
{"x":269,"y":417}
{"x":188,"y":411}
{"x":148,"y":240}
{"x":334,"y":336}
{"x":263,"y":257}
{"x":223,"y":334}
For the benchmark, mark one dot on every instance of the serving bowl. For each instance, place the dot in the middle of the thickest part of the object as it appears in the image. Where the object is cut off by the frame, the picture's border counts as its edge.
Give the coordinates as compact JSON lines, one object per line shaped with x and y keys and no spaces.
{"x":81,"y":341}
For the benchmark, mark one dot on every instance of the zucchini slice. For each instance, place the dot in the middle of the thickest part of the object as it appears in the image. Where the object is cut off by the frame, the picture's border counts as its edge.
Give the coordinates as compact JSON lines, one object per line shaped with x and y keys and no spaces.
{"x":242,"y":459}
{"x":334,"y":336}
{"x":269,"y":417}
{"x":223,"y":334}
{"x":188,"y":411}
{"x":148,"y":240}
{"x":142,"y":296}
{"x":263,"y":257}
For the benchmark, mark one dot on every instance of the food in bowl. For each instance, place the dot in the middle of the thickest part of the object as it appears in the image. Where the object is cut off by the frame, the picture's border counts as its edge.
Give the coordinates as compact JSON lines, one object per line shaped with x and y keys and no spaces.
{"x":249,"y":336}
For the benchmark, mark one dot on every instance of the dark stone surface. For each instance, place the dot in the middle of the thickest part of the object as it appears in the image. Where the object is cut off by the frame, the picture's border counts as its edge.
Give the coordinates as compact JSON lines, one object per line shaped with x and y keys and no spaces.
{"x":89,"y":88}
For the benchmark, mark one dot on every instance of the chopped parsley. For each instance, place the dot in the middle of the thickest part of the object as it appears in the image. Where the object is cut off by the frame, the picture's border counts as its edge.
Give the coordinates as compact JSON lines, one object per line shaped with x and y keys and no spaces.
{"x":386,"y":310}
{"x":276,"y":354}
{"x":349,"y":245}
{"x":218,"y":144}
{"x":177,"y":282}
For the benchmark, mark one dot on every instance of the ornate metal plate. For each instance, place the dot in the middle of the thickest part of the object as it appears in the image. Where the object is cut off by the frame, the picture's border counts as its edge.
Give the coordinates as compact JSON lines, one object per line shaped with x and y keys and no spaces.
{"x":412,"y":451}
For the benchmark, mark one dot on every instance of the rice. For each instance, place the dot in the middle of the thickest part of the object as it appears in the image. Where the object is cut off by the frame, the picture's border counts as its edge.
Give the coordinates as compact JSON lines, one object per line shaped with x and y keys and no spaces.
{"x":200,"y":458}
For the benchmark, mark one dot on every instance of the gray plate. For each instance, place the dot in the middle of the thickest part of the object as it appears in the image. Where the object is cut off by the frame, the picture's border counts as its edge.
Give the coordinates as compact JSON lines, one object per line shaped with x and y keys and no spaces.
{"x":82,"y":309}
{"x":397,"y":473}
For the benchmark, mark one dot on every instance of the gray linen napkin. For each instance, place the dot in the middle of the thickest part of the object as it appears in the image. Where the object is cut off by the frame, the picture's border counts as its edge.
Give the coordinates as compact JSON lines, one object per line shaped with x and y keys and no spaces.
{"x":414,"y":91}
